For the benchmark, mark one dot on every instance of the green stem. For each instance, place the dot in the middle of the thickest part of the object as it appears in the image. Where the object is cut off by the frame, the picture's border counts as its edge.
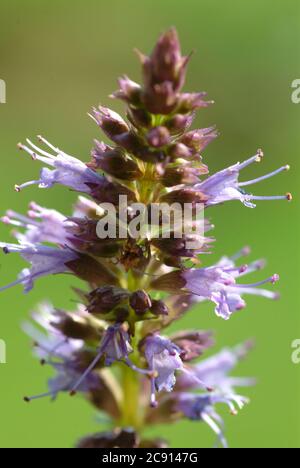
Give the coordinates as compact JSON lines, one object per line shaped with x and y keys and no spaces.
{"x":131,"y":410}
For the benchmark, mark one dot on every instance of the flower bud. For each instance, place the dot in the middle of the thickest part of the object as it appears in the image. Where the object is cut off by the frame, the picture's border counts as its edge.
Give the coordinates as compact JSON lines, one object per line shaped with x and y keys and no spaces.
{"x":190,"y":245}
{"x":158,"y":137}
{"x":179,"y":122}
{"x":109,"y":121}
{"x":109,"y":192}
{"x":160,"y":99}
{"x":179,"y":150}
{"x":184,"y":195}
{"x":129,"y":91}
{"x":140,"y":302}
{"x":133,"y":144}
{"x":166,"y":62}
{"x":159,"y":308}
{"x":116,"y":163}
{"x":139,"y":117}
{"x":198,"y":139}
{"x":192,"y":101}
{"x":105,"y":299}
{"x":182,"y":175}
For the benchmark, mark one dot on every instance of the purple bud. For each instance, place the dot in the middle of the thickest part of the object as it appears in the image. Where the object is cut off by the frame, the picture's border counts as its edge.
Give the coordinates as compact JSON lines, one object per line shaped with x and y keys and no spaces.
{"x":191,"y":101}
{"x":105,"y":299}
{"x":110,"y":122}
{"x":129,"y":91}
{"x":179,"y":150}
{"x":159,"y":308}
{"x":186,"y":175}
{"x":183,"y":196}
{"x":179,"y":122}
{"x":109,"y":192}
{"x":179,"y":247}
{"x":161,"y":99}
{"x":116,"y":163}
{"x":140,"y":302}
{"x":139,"y":117}
{"x":158,"y":137}
{"x":166,"y":65}
{"x":197,"y":140}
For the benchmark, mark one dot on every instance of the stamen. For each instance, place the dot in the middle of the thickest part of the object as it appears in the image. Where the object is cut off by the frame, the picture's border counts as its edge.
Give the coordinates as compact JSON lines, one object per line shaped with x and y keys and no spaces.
{"x":36,"y":397}
{"x":259,"y":292}
{"x":192,"y":375}
{"x":215,"y":428}
{"x":15,"y":219}
{"x":18,"y":188}
{"x":89,"y":369}
{"x":86,"y":373}
{"x":43,"y":140}
{"x":12,"y":222}
{"x":242,"y":253}
{"x":273,"y":279}
{"x":240,"y":400}
{"x":267,"y":176}
{"x":51,"y":352}
{"x":231,"y":406}
{"x":39,"y":150}
{"x":256,"y":158}
{"x":254,"y":266}
{"x":14,"y":283}
{"x":28,"y":150}
{"x":288,"y":197}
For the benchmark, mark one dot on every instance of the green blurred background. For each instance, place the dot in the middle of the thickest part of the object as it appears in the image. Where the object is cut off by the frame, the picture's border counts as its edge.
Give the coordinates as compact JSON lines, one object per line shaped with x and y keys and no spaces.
{"x":58,"y":59}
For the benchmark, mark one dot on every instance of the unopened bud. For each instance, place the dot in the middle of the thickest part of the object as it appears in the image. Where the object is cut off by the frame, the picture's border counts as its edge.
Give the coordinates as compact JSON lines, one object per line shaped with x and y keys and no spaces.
{"x":140,"y":302}
{"x":159,"y":308}
{"x":158,"y":137}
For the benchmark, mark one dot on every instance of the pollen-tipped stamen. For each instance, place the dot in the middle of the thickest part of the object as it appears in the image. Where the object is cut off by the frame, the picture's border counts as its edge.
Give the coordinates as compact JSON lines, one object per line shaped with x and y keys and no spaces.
{"x":37,"y":397}
{"x":47,"y":143}
{"x":272,"y":279}
{"x":254,"y":159}
{"x":265,"y":177}
{"x":287,"y":196}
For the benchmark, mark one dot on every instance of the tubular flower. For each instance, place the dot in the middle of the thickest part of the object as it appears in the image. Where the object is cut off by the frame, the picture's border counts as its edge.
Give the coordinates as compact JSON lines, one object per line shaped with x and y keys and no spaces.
{"x":225,"y":186}
{"x":113,"y":349}
{"x":218,"y":284}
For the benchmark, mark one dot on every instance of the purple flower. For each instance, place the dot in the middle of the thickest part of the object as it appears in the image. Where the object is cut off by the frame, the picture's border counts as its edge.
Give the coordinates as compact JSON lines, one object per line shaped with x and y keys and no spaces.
{"x":156,"y":157}
{"x":44,"y":261}
{"x":163,"y":358}
{"x":216,"y":369}
{"x":67,"y":170}
{"x":225,"y":186}
{"x":62,"y":353}
{"x":202,"y":408}
{"x":41,"y":225}
{"x":218,"y":284}
{"x":49,"y":340}
{"x":114,"y":346}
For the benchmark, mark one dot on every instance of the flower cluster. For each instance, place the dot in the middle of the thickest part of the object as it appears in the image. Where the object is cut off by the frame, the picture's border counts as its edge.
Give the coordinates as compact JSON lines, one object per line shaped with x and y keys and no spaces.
{"x":112,"y":349}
